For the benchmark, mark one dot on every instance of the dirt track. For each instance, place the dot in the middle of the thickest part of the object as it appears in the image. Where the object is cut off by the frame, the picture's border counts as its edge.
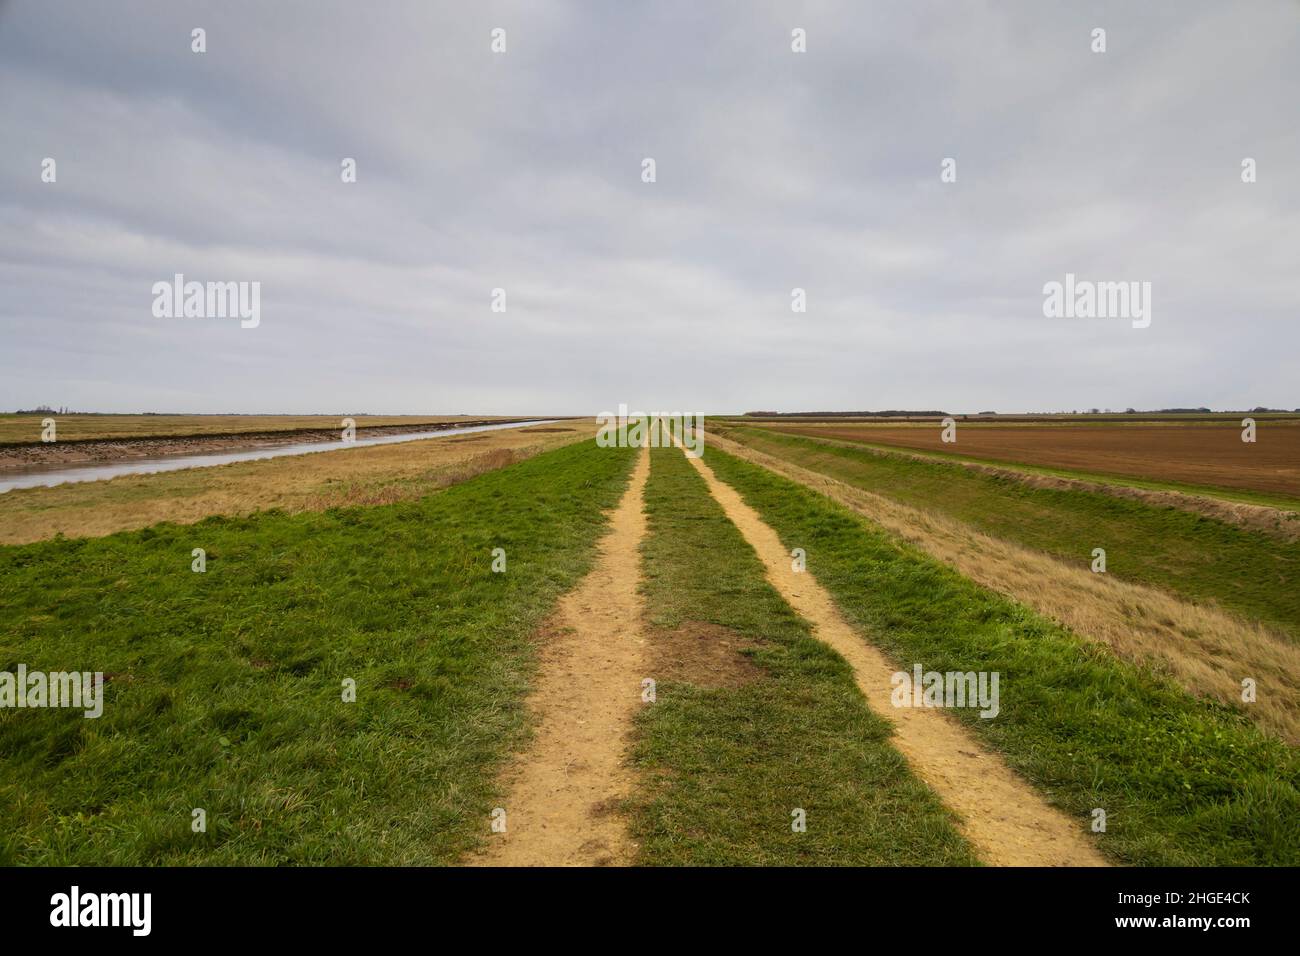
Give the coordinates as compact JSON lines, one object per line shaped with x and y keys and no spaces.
{"x":564,"y":790}
{"x":563,"y":794}
{"x":1003,"y":817}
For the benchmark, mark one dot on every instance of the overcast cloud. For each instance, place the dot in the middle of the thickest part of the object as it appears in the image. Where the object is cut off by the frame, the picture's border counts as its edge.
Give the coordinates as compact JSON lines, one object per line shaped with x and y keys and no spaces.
{"x":523,"y":171}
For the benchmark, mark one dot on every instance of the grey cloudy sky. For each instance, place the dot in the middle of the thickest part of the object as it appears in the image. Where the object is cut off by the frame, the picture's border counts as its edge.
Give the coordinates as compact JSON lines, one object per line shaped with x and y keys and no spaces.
{"x":775,"y":170}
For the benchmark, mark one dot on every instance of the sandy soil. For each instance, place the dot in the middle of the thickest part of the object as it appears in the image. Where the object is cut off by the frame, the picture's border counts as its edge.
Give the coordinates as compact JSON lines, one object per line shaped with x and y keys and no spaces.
{"x":564,"y":791}
{"x":1004,"y":818}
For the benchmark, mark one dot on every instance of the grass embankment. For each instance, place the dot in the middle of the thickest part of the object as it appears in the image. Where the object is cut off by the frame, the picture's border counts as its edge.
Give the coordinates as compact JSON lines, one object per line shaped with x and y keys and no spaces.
{"x":755,"y":718}
{"x":1250,"y":573}
{"x":1182,"y":781}
{"x":378,"y":474}
{"x":226,"y":686}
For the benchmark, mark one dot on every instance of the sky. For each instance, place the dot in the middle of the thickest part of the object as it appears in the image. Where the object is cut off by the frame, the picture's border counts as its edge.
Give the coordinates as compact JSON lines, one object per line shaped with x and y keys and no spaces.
{"x":774,"y":170}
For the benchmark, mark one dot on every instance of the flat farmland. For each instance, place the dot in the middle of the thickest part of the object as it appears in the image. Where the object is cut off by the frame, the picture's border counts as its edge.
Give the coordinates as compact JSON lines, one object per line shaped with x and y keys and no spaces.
{"x":26,"y":429}
{"x":1202,"y":454}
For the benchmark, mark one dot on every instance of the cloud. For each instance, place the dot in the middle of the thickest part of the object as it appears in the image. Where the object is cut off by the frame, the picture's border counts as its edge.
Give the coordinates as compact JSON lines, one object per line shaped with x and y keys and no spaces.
{"x":522,"y":171}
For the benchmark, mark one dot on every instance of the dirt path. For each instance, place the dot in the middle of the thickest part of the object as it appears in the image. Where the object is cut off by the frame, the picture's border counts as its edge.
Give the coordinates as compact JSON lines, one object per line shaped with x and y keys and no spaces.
{"x":1005,"y":819}
{"x":563,"y":792}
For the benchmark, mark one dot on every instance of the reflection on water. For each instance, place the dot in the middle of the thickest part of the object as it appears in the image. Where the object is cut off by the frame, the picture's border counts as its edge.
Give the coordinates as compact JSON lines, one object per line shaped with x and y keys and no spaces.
{"x":38,"y":476}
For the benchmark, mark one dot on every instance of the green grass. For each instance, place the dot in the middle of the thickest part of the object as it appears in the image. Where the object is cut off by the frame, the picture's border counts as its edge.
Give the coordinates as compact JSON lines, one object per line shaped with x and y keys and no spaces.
{"x":1248,"y":572}
{"x":226,"y":686}
{"x":725,"y":766}
{"x":1183,"y":781}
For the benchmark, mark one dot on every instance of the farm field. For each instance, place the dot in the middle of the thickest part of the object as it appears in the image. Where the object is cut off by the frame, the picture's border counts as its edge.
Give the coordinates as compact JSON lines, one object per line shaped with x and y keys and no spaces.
{"x":26,"y":429}
{"x":1200,"y":456}
{"x":377,"y":474}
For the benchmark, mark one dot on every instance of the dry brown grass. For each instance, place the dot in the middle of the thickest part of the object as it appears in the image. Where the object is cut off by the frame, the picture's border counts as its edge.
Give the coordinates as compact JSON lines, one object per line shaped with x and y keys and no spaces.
{"x":1205,"y":650}
{"x":388,"y":491}
{"x":370,"y":475}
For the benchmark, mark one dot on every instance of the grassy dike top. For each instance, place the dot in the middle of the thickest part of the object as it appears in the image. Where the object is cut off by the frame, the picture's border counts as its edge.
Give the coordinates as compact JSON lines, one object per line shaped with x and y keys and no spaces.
{"x":755,"y":719}
{"x":225,"y":688}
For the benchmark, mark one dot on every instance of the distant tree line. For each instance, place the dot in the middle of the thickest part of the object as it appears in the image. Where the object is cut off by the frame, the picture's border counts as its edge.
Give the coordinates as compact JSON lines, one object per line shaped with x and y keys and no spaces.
{"x":890,"y":413}
{"x":899,"y":413}
{"x":46,"y":410}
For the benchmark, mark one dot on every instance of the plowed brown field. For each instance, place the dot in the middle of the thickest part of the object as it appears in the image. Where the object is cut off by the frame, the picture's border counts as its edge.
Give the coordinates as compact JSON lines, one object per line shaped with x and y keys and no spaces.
{"x":1212,"y":455}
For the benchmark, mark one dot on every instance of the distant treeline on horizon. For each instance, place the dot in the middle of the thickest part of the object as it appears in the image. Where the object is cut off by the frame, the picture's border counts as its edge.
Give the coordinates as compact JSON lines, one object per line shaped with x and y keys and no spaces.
{"x":892,"y":413}
{"x":903,"y":413}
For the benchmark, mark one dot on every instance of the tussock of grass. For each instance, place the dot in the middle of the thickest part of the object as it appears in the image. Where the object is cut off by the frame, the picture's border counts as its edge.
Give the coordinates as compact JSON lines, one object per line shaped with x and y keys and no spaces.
{"x":726,"y":765}
{"x":1183,"y":781}
{"x":225,"y":688}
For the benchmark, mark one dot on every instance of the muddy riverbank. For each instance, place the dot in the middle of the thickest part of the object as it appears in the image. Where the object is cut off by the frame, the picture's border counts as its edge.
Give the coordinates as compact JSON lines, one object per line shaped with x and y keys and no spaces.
{"x":105,"y":450}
